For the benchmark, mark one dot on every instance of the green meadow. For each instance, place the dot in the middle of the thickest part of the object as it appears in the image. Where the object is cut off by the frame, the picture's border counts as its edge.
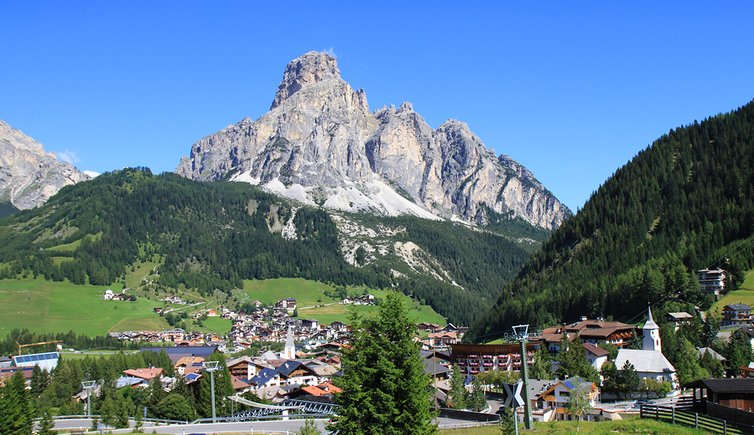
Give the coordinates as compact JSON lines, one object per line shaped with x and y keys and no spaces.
{"x":313,"y":303}
{"x":744,"y":295}
{"x":269,"y":291}
{"x":339,"y":312}
{"x":47,"y":306}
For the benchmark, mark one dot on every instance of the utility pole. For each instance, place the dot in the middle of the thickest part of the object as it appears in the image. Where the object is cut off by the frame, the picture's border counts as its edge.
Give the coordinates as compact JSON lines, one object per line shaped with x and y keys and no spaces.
{"x":521,"y":333}
{"x":211,"y":367}
{"x":88,"y":387}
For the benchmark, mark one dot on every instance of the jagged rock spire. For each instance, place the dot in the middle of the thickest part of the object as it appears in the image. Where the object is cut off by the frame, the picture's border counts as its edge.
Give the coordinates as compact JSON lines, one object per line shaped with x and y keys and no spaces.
{"x":320,"y":144}
{"x":312,"y":67}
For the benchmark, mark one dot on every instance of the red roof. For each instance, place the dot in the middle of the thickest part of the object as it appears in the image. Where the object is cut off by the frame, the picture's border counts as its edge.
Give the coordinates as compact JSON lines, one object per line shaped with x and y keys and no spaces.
{"x":147,"y":374}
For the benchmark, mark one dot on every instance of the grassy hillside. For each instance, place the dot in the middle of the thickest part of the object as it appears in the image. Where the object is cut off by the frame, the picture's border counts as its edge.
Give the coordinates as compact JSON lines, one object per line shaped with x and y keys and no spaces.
{"x":339,"y":312}
{"x":318,"y":301}
{"x":211,"y":236}
{"x":306,"y":292}
{"x":46,"y":306}
{"x":744,"y":295}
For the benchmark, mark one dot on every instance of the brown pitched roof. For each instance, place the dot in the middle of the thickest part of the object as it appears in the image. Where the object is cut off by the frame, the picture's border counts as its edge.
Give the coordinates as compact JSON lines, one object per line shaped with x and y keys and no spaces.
{"x":595,"y":350}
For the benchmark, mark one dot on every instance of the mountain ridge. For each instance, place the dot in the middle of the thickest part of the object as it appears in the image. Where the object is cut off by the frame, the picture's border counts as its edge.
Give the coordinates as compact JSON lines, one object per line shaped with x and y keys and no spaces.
{"x":29,"y":175}
{"x":324,"y":146}
{"x":682,"y":204}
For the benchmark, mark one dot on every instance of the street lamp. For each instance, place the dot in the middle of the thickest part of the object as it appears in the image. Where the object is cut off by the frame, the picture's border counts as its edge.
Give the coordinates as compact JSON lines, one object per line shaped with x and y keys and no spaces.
{"x":88,"y":386}
{"x":212,"y":367}
{"x":521,"y":332}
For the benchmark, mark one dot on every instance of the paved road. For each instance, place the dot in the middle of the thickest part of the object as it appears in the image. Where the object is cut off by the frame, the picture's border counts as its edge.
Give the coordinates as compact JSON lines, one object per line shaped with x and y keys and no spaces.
{"x":251,"y":427}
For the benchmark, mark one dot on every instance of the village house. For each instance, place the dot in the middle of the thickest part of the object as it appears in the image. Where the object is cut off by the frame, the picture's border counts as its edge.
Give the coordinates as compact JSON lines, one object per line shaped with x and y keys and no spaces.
{"x":680,"y":318}
{"x":287,"y":304}
{"x":146,"y":374}
{"x":189,"y":364}
{"x":596,"y":355}
{"x":737,"y":315}
{"x":711,"y":281}
{"x":551,"y":404}
{"x":441,"y":340}
{"x":588,"y":331}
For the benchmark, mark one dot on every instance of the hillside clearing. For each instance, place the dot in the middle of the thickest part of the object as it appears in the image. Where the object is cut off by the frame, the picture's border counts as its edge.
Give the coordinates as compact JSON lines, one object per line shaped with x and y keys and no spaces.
{"x":744,"y":295}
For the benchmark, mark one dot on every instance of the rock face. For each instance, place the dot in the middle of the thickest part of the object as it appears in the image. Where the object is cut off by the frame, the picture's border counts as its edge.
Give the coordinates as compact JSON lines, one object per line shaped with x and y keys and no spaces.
{"x":320,"y":144}
{"x":29,"y":176}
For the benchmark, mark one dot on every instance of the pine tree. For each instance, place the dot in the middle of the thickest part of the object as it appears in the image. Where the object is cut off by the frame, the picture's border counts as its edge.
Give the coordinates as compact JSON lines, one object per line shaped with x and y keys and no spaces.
{"x":175,"y":407}
{"x":16,"y":411}
{"x":385,"y":389}
{"x":507,"y":423}
{"x":739,"y":352}
{"x":46,"y":423}
{"x":712,"y":365}
{"x":541,"y":367}
{"x":457,"y":393}
{"x":687,"y":363}
{"x":39,"y":381}
{"x":138,"y":423}
{"x":628,"y":378}
{"x":155,"y":394}
{"x":109,"y":411}
{"x":309,"y":428}
{"x":475,"y":400}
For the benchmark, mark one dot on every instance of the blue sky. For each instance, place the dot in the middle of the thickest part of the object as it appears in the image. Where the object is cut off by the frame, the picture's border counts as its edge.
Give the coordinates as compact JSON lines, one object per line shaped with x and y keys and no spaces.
{"x":570,"y":90}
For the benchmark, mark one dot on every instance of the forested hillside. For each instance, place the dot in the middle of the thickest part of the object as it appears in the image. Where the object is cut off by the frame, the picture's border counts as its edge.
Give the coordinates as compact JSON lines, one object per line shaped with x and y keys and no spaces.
{"x":684,"y":203}
{"x":212,"y":236}
{"x":7,"y":209}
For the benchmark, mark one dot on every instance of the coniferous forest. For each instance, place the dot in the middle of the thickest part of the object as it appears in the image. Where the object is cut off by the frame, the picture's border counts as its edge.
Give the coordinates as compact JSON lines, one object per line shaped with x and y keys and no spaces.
{"x":211,"y":236}
{"x":683,"y":204}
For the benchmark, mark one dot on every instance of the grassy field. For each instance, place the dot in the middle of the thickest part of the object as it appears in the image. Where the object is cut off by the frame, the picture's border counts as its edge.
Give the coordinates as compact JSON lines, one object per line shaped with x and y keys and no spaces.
{"x":133,"y":278}
{"x":216,"y":324}
{"x":340,"y":312}
{"x":636,"y":426}
{"x":311,"y":294}
{"x":744,"y":295}
{"x":46,"y":306}
{"x":268,"y":291}
{"x":93,"y":354}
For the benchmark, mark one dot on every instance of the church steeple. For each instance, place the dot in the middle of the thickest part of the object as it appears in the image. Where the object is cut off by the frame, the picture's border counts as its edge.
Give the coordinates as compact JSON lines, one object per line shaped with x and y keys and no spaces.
{"x":651,"y":333}
{"x":290,"y":348}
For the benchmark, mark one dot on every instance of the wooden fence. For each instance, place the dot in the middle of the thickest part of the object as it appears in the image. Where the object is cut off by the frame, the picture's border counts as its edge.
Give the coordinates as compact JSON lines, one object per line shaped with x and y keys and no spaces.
{"x":684,"y":414}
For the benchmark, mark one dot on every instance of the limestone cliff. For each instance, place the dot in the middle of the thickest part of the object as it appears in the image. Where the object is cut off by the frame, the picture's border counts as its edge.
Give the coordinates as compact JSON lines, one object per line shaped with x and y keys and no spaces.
{"x":320,"y":144}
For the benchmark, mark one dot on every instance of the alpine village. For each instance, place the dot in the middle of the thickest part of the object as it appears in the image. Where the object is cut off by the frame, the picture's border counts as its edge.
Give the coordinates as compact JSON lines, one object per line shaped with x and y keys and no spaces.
{"x":329,"y":267}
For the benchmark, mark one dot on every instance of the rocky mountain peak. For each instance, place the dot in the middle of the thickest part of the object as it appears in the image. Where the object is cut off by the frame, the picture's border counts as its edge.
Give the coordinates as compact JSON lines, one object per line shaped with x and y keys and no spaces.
{"x":320,"y":145}
{"x":312,"y":67}
{"x":29,"y":175}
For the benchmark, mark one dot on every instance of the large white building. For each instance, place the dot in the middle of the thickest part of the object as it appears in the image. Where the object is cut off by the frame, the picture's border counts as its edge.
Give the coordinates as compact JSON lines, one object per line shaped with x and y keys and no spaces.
{"x":649,"y":362}
{"x":45,"y":361}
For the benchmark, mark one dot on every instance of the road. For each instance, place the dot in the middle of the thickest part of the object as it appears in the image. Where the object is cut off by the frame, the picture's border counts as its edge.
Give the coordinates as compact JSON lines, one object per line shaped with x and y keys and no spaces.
{"x":251,"y":427}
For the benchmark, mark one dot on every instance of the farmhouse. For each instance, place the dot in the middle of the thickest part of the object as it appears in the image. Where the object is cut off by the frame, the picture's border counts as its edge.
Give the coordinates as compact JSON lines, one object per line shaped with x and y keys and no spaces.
{"x":589,"y":331}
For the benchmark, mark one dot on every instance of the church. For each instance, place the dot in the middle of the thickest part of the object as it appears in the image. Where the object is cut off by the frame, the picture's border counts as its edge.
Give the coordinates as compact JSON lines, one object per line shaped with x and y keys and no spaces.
{"x":649,"y":362}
